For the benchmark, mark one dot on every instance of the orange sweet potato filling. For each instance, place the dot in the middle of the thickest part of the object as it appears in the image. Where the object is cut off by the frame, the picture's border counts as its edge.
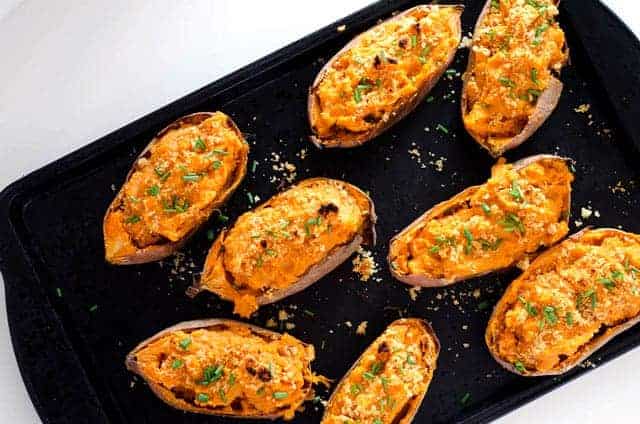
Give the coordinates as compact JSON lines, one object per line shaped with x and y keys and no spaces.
{"x":231,"y":369}
{"x":517,"y":49}
{"x":389,"y":63}
{"x":566,"y":298}
{"x":173,"y":187}
{"x":389,"y":380}
{"x":491,"y":226}
{"x":273,"y":246}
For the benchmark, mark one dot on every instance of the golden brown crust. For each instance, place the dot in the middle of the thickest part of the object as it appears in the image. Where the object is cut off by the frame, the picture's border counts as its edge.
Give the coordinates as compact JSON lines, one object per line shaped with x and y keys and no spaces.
{"x":348,"y":140}
{"x":601,"y":337}
{"x":214,"y":264}
{"x":430,"y":355}
{"x":458,"y":200}
{"x":545,"y":105}
{"x":154,"y":252}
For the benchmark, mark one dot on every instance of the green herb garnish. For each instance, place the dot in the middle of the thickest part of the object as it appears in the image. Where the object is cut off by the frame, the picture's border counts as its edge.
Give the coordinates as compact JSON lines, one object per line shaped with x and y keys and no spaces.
{"x":414,"y":40}
{"x":512,"y":223}
{"x":486,"y":208}
{"x":531,"y":310}
{"x":588,"y":294}
{"x":199,"y":145}
{"x":184,"y":343}
{"x":495,"y":4}
{"x":310,"y":222}
{"x":280,"y":395}
{"x":534,"y":76}
{"x":254,"y":165}
{"x":569,"y":318}
{"x":93,"y":308}
{"x":203,"y":397}
{"x":507,"y":82}
{"x":515,"y":191}
{"x":212,"y":374}
{"x":442,"y":129}
{"x":162,"y":173}
{"x":177,"y":363}
{"x":216,"y":164}
{"x":191,"y":177}
{"x":154,"y":190}
{"x":468,"y":248}
{"x":177,"y":205}
{"x":520,"y":367}
{"x":355,"y":389}
{"x":132,"y":219}
{"x":465,"y":398}
{"x":550,"y":316}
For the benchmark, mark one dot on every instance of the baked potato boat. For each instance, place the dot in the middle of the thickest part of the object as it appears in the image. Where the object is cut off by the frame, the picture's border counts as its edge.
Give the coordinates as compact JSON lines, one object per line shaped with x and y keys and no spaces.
{"x":227,"y":368}
{"x":572,"y":299}
{"x":390,"y":379}
{"x":287,"y":243}
{"x":382,"y":75}
{"x":188,"y":170}
{"x":523,"y":207}
{"x":511,"y":84}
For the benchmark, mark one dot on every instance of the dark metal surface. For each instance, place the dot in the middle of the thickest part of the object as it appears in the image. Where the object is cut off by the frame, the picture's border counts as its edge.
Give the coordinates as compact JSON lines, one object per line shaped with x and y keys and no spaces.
{"x":71,"y":357}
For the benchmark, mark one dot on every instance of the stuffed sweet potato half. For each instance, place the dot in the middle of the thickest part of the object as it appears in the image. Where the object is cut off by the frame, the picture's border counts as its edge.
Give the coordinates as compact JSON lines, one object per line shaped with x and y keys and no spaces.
{"x":390,"y":379}
{"x":572,"y":300}
{"x":523,"y":207}
{"x":510,"y":86}
{"x":228,"y":368}
{"x":287,"y":243}
{"x":381,"y":75}
{"x":190,"y":168}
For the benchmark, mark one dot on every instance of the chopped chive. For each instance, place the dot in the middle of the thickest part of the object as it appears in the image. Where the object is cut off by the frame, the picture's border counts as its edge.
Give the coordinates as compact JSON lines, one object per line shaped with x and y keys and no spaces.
{"x":191,"y":177}
{"x":59,"y":291}
{"x":430,"y":99}
{"x":569,"y":318}
{"x":199,"y":145}
{"x":410,"y":360}
{"x":184,"y":343}
{"x":550,"y":316}
{"x":486,"y":208}
{"x":254,"y":165}
{"x":93,"y":308}
{"x":442,"y":128}
{"x":531,"y":310}
{"x":132,"y":219}
{"x":177,"y":363}
{"x":512,"y":223}
{"x":588,"y":294}
{"x":154,"y":190}
{"x":280,"y":395}
{"x":507,"y":82}
{"x":203,"y":397}
{"x":271,"y":252}
{"x":608,"y":283}
{"x":216,"y":164}
{"x":220,"y":152}
{"x":515,"y":191}
{"x":483,"y":305}
{"x":465,"y":398}
{"x":210,"y":235}
{"x":308,"y":313}
{"x":495,"y":4}
{"x":355,"y":389}
{"x":260,"y":391}
{"x":520,"y":367}
{"x":450,"y":72}
{"x":468,"y":248}
{"x":250,"y":197}
{"x":414,"y":40}
{"x":534,"y":76}
{"x":232,"y":379}
{"x":222,"y":394}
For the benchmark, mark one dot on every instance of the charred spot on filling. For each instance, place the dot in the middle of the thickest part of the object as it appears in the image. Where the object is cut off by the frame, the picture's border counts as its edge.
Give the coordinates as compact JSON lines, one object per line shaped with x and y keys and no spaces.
{"x":377,"y":62}
{"x":184,"y":393}
{"x":263,"y":243}
{"x":371,"y":119}
{"x":161,"y":358}
{"x":402,"y":43}
{"x":327,"y":208}
{"x":383,"y":347}
{"x":264,"y":374}
{"x":236,"y":405}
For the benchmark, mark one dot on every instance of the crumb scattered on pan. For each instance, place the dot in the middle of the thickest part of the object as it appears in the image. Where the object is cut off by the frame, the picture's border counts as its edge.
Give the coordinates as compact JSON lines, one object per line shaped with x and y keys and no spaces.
{"x":113,"y":187}
{"x":289,"y":326}
{"x":524,"y":263}
{"x":341,"y":28}
{"x":364,"y":265}
{"x":302,"y":153}
{"x":348,"y":324}
{"x":586,"y":213}
{"x":271,"y":323}
{"x":362,"y":328}
{"x":286,"y":169}
{"x":583,"y":108}
{"x":283,"y":315}
{"x":578,"y":223}
{"x":465,"y":43}
{"x":414,"y":291}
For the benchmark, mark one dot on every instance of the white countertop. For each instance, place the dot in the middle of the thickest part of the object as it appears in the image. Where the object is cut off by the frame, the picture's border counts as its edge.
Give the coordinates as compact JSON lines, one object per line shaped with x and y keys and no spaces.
{"x":74,"y":70}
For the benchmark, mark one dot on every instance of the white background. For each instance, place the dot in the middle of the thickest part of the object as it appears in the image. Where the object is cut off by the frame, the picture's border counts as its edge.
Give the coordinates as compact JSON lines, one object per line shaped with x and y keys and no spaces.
{"x":72,"y":71}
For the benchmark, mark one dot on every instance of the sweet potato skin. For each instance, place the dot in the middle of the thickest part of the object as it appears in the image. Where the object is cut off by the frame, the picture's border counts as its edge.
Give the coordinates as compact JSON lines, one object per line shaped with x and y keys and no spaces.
{"x":411,"y":412}
{"x":424,"y":281}
{"x":332,"y":259}
{"x":546,"y":104}
{"x":157,"y":252}
{"x":166,"y":395}
{"x":593,"y":346}
{"x":404,"y":108}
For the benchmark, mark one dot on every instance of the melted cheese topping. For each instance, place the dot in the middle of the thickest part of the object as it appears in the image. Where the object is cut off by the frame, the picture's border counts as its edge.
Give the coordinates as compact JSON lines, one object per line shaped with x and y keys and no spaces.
{"x":270,"y":248}
{"x":386,"y":65}
{"x":231,"y":369}
{"x":568,"y":298}
{"x":515,"y":52}
{"x":389,"y":380}
{"x":175,"y":184}
{"x":488,"y":227}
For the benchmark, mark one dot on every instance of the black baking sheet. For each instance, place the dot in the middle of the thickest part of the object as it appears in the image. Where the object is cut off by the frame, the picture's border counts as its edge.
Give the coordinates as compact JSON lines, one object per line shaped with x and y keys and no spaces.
{"x":73,"y":318}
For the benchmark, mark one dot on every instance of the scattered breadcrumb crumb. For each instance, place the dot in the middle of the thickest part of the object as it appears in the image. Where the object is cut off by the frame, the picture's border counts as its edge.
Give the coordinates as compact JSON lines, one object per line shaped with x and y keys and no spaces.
{"x":271,"y":323}
{"x":476,"y":293}
{"x":414,"y":291}
{"x":578,"y":223}
{"x":283,"y":315}
{"x":586,"y":213}
{"x":341,"y":28}
{"x":583,"y":108}
{"x":364,"y":264}
{"x":362,"y":328}
{"x":348,"y":324}
{"x":289,"y":326}
{"x":465,"y":43}
{"x":287,"y":169}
